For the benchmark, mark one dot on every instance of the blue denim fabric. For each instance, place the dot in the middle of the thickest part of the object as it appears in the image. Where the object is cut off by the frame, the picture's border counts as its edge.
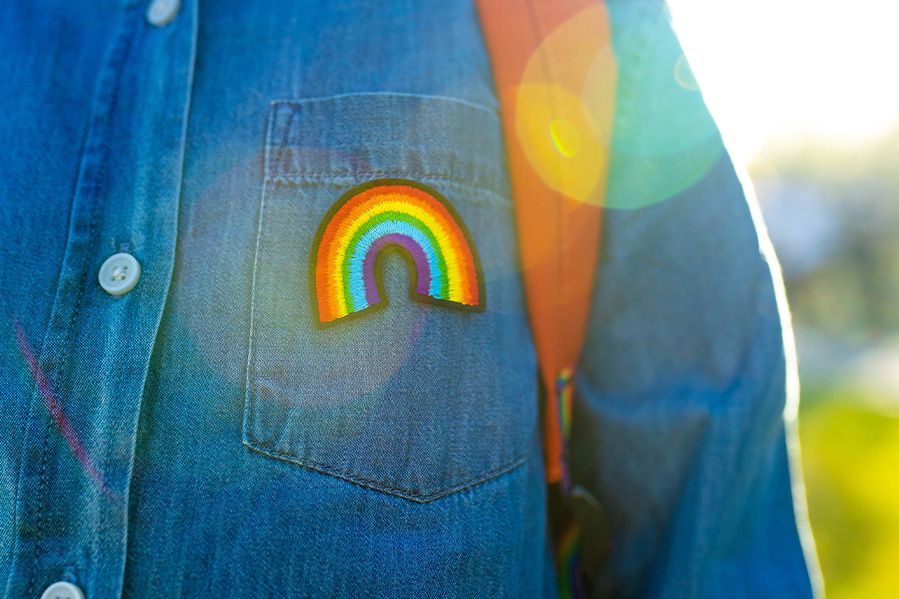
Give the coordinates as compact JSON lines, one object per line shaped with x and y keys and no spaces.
{"x":201,"y":436}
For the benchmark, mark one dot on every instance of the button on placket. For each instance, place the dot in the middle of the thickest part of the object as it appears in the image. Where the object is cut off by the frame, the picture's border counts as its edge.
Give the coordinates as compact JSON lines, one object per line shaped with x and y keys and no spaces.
{"x":119,"y":274}
{"x":62,"y":590}
{"x":161,"y":12}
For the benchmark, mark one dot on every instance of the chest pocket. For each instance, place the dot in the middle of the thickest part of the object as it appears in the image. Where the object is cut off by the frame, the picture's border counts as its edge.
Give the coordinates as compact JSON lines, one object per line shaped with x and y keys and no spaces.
{"x":415,"y":398}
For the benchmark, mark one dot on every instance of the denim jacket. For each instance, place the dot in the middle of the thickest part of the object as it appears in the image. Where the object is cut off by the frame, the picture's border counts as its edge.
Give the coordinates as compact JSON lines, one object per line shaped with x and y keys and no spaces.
{"x":201,"y":435}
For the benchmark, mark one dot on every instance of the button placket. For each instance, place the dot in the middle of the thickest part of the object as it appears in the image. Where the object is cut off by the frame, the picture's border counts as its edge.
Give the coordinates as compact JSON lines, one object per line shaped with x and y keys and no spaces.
{"x":81,"y":427}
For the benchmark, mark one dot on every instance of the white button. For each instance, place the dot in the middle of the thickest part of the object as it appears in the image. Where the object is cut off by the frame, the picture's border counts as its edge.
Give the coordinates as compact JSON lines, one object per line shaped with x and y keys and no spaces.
{"x":62,"y":590}
{"x":161,"y":12}
{"x":119,"y":274}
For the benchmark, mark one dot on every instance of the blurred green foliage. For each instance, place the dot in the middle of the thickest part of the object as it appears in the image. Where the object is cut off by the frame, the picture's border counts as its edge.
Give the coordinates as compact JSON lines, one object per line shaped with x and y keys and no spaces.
{"x":850,"y":454}
{"x":833,"y":216}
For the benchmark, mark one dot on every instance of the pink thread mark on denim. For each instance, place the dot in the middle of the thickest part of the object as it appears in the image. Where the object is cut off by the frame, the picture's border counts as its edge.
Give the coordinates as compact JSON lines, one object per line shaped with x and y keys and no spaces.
{"x":58,"y":414}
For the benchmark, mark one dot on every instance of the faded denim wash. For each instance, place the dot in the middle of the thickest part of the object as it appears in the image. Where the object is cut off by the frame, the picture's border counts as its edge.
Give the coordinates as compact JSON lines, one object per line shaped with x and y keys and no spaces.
{"x":199,"y":436}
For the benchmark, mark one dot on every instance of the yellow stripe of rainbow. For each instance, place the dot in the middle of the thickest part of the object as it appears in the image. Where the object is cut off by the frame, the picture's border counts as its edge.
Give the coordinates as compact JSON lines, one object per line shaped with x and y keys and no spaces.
{"x":399,"y":214}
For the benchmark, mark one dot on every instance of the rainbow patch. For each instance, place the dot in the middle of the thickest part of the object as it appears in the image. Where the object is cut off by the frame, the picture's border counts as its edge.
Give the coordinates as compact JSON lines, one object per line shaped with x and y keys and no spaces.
{"x":388,"y":214}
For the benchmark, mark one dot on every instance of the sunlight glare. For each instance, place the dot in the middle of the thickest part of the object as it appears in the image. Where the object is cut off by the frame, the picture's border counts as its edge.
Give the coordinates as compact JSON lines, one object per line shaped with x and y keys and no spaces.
{"x":774,"y":71}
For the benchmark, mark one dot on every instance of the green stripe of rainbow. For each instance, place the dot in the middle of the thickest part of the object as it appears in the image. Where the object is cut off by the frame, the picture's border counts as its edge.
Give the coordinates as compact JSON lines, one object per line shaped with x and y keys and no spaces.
{"x":392,"y":213}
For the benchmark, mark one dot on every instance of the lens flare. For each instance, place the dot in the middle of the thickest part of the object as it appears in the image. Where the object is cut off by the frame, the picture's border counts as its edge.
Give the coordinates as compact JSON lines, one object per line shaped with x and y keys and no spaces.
{"x":565,"y":137}
{"x":564,"y":105}
{"x":665,"y":140}
{"x":683,"y":74}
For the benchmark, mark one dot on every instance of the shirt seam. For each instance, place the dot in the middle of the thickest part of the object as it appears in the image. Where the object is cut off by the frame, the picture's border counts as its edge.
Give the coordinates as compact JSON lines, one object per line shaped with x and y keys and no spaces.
{"x":337,"y":178}
{"x":299,"y":101}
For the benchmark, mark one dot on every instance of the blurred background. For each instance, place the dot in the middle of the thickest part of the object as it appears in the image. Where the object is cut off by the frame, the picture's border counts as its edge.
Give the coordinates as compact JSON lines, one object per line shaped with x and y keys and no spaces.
{"x":807,"y":98}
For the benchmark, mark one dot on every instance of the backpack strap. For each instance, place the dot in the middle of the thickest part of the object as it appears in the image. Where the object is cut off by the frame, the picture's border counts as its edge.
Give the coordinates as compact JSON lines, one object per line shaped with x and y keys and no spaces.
{"x":555,"y":75}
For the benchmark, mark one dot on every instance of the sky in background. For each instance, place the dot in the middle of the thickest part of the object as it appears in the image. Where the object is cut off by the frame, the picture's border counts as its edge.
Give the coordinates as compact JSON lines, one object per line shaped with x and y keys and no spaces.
{"x":773,"y":71}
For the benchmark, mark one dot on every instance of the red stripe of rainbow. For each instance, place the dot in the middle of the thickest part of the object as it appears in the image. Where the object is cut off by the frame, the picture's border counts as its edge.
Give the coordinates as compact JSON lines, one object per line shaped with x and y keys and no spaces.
{"x":392,"y":213}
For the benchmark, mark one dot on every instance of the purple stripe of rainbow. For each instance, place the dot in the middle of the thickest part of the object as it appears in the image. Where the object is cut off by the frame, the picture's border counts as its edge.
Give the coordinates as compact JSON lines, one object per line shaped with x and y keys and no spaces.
{"x":419,"y":258}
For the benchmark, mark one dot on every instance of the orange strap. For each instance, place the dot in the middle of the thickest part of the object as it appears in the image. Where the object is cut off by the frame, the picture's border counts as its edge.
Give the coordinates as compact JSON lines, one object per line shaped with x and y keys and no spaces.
{"x":555,"y":76}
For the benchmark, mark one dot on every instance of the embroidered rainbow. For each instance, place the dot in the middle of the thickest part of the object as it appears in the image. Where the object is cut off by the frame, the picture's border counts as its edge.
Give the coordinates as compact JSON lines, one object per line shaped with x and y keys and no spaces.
{"x":392,"y":214}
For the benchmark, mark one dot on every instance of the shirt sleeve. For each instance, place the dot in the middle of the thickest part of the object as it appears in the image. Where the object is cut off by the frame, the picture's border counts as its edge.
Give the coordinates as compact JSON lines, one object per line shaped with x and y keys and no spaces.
{"x":686,"y":394}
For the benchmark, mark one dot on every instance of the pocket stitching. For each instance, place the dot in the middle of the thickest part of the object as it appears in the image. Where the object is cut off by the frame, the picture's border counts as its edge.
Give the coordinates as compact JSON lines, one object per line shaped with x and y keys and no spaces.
{"x":495,"y":180}
{"x":479,"y":193}
{"x":377,"y":174}
{"x":419,"y":497}
{"x":436,"y":97}
{"x":251,"y":401}
{"x":251,"y":338}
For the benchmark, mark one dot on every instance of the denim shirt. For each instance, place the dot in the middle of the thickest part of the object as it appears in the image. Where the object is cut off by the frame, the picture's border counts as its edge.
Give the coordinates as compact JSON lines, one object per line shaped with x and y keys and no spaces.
{"x":200,"y":435}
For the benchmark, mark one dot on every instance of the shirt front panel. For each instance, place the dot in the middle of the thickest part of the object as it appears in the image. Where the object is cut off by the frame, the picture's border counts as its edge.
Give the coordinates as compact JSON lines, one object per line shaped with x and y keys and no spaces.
{"x":138,"y":472}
